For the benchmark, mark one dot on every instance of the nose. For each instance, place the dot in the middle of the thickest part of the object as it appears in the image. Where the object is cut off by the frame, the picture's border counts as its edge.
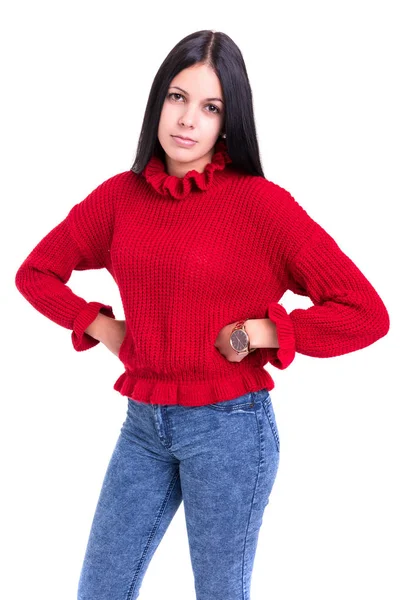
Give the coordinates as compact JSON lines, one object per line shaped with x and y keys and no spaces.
{"x":188,"y":118}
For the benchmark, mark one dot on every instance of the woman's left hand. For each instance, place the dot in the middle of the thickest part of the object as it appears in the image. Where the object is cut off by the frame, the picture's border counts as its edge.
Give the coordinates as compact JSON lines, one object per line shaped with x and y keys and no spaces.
{"x":223,"y":345}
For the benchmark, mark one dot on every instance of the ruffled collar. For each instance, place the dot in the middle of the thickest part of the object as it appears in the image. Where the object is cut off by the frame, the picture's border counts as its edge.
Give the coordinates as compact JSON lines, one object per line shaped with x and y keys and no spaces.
{"x":179,"y":187}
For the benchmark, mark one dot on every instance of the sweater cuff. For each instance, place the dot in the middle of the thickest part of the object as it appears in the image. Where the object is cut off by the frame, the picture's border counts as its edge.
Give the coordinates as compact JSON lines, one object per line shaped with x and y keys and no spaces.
{"x":81,"y":340}
{"x":280,"y":357}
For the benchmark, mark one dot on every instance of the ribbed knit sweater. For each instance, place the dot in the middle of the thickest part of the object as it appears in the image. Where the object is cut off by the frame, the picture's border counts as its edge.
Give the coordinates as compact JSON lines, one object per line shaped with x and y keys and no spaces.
{"x":190,"y":255}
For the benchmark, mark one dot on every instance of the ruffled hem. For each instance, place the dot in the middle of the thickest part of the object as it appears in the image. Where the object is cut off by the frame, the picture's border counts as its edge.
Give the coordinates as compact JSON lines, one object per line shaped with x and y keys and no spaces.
{"x":179,"y":187}
{"x":280,"y":357}
{"x":81,"y":340}
{"x":195,"y":393}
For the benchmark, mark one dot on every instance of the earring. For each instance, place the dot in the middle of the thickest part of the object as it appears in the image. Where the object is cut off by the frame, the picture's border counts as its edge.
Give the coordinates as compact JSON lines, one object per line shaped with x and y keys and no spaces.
{"x":223,"y":135}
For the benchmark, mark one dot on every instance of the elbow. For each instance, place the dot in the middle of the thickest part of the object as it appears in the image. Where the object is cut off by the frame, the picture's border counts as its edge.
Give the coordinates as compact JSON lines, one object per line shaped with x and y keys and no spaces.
{"x":384,"y":322}
{"x":376,"y":320}
{"x":23,"y":277}
{"x":379,"y":322}
{"x":20,"y":278}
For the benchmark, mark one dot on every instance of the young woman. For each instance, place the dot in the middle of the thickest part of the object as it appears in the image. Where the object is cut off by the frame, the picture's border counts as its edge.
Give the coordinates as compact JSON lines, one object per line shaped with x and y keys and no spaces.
{"x":202,"y":247}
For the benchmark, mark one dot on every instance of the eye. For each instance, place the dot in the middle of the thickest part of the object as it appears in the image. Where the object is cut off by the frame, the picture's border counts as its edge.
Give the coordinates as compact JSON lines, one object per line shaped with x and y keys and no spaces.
{"x":174,"y":94}
{"x":216,"y":111}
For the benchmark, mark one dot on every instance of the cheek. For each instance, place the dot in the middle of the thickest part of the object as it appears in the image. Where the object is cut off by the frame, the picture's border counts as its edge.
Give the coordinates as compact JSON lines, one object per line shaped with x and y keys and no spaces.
{"x":169,"y":111}
{"x":163,"y":115}
{"x":163,"y":111}
{"x":212,"y":125}
{"x":166,"y":122}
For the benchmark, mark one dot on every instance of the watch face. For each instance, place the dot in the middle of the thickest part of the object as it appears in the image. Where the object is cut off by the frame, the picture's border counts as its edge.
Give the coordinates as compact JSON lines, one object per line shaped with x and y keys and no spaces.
{"x":239,"y":340}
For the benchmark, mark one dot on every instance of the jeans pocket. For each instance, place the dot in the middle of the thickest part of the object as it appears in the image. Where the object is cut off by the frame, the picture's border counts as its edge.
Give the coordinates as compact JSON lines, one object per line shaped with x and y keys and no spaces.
{"x":244,"y":401}
{"x":270,"y":413}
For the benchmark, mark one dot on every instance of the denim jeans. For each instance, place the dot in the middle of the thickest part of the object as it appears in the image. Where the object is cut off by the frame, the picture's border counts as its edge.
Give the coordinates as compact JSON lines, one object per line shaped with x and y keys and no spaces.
{"x":221,"y":459}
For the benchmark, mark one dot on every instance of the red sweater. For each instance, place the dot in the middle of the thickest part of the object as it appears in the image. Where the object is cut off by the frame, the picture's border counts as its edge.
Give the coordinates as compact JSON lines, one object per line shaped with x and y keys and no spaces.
{"x":190,"y":255}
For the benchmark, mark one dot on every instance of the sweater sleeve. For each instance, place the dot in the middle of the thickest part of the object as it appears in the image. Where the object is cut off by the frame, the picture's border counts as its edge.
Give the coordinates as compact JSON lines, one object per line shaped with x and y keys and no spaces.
{"x":80,"y":242}
{"x":347,"y":312}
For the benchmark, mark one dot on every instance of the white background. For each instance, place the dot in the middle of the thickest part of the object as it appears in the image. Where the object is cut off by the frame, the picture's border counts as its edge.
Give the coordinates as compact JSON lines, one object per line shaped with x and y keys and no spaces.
{"x":325,"y":79}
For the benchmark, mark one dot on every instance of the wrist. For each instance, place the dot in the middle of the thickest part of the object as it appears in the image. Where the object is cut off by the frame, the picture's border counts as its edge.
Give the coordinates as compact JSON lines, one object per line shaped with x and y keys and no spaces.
{"x":98,"y":327}
{"x":262,"y":333}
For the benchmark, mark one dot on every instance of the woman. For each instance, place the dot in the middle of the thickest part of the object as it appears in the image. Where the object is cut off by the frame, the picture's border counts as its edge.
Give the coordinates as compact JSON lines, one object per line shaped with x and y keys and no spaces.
{"x":202,"y":247}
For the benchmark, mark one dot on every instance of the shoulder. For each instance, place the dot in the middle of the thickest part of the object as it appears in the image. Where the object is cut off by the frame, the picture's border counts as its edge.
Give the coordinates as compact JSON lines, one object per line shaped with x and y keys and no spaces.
{"x":273,"y":200}
{"x":268,"y":192}
{"x":279,"y":214}
{"x":96,"y":212}
{"x":119,"y":181}
{"x":103,"y":196}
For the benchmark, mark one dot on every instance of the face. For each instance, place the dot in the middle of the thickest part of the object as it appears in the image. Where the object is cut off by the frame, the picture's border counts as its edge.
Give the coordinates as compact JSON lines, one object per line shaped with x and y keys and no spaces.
{"x":194,"y":108}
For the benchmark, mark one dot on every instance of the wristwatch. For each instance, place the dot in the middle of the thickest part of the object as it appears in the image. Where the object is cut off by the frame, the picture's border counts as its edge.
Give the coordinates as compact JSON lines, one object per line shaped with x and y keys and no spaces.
{"x":239,"y":339}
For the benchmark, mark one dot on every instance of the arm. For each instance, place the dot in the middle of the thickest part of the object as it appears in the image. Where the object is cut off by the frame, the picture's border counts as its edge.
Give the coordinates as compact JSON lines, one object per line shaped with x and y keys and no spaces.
{"x":43,"y":275}
{"x":347,"y":312}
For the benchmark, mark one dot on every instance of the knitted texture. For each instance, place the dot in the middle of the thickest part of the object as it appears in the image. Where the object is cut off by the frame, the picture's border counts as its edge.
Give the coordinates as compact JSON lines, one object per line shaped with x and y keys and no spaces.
{"x":190,"y":255}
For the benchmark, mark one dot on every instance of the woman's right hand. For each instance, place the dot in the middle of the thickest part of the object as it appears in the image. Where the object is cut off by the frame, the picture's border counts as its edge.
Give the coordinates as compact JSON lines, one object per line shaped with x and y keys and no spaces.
{"x":111,"y":332}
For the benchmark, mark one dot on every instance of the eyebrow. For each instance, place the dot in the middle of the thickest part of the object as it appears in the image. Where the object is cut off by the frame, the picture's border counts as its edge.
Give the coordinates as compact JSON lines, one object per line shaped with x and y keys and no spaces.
{"x":182,"y":90}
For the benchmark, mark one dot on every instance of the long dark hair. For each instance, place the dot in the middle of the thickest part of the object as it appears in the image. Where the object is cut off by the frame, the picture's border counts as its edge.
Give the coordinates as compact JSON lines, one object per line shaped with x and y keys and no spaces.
{"x":217,"y":50}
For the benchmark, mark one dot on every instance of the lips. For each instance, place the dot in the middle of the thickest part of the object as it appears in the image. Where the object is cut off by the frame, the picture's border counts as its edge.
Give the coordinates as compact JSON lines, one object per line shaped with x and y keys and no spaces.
{"x":184,"y":138}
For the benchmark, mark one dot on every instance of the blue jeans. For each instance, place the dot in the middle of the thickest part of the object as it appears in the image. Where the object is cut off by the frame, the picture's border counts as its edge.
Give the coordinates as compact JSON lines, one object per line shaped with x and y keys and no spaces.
{"x":220,"y":459}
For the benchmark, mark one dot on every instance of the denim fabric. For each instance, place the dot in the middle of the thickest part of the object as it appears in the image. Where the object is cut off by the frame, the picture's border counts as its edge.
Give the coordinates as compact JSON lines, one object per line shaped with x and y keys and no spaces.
{"x":221,"y":459}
